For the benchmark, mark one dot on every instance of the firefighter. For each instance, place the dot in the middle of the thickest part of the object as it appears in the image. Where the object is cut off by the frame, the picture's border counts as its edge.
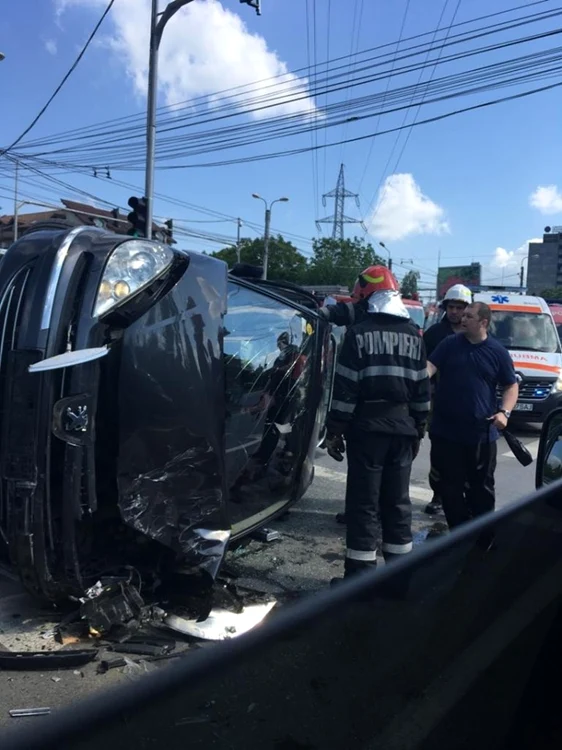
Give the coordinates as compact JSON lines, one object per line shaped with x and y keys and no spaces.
{"x":346,"y":313}
{"x":379,"y":408}
{"x":456,"y":300}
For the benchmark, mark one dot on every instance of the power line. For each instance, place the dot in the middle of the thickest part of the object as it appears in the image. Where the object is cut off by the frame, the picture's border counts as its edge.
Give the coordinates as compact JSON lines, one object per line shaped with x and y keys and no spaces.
{"x":221,"y":139}
{"x":64,"y":80}
{"x":368,"y":160}
{"x":398,"y":135}
{"x":235,"y":97}
{"x":436,"y":118}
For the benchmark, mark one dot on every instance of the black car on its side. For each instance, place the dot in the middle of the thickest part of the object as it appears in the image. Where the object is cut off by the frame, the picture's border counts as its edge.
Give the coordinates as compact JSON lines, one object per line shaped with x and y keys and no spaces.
{"x":153,"y":407}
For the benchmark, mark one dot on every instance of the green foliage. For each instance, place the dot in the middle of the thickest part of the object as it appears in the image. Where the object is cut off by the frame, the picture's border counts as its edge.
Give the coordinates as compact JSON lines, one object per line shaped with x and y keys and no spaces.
{"x":286,"y":263}
{"x":555,"y":293}
{"x":409,"y":285}
{"x":332,"y":261}
{"x":336,"y":262}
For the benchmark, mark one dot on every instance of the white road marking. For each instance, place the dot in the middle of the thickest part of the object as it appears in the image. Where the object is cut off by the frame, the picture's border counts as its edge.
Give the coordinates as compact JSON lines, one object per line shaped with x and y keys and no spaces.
{"x":416,"y":492}
{"x":532,"y":446}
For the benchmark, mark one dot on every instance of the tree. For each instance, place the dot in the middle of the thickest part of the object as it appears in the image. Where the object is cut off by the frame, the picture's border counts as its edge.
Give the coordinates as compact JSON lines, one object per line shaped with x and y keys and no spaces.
{"x":409,"y":285}
{"x":339,"y":262}
{"x":555,"y":293}
{"x":286,"y":263}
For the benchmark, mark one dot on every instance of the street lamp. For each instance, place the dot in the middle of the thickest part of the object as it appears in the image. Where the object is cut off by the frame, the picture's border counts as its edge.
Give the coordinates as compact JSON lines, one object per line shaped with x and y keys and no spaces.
{"x":389,"y":258}
{"x":158,"y":22}
{"x":521,"y":270}
{"x":266,"y":229}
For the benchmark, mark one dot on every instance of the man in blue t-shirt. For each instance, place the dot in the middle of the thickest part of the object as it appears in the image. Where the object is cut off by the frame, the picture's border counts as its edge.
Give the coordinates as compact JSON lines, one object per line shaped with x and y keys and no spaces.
{"x":466,"y":419}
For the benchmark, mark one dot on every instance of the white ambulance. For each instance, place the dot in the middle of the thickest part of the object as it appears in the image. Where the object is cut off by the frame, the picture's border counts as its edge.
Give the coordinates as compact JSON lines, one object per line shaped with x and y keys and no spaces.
{"x":525,"y":326}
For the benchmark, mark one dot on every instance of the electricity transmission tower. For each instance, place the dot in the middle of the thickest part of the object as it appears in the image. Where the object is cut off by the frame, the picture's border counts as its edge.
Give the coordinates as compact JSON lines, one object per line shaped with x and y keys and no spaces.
{"x":338,"y":218}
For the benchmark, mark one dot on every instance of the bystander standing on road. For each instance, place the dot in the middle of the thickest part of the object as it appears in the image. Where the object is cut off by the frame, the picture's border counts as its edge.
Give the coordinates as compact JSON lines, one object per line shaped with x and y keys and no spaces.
{"x":380,"y":406}
{"x":466,"y":419}
{"x":454,"y":304}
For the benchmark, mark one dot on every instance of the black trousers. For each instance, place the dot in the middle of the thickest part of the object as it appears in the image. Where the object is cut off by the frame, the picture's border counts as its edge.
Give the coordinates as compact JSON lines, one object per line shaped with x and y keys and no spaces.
{"x":377,"y":501}
{"x":466,"y":478}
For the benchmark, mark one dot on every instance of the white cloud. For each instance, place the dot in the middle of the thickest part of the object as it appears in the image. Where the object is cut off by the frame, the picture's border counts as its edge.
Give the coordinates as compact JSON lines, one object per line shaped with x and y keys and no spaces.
{"x":205,"y":48}
{"x":403,"y":210}
{"x":51,"y":46}
{"x":547,"y":199}
{"x":506,"y":264}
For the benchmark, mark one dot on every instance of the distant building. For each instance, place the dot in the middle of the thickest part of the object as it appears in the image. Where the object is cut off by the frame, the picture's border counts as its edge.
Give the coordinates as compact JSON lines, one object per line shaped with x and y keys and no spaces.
{"x":78,"y":214}
{"x":544,"y":269}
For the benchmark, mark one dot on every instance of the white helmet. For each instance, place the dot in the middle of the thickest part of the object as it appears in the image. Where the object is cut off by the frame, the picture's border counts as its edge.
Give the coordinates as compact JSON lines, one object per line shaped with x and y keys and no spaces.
{"x":458,"y":293}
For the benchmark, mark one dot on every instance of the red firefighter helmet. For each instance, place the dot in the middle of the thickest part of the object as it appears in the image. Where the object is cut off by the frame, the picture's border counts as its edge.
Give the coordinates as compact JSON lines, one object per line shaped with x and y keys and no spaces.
{"x":374,"y":279}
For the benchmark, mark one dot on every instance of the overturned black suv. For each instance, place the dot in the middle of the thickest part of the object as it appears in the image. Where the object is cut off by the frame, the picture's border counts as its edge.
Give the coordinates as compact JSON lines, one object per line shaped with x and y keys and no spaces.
{"x":154,"y":407}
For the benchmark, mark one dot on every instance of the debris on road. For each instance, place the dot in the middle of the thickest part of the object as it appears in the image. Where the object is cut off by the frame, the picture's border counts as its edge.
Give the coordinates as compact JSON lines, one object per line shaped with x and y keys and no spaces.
{"x":38,"y":660}
{"x":266,"y":535}
{"x":222,"y":624}
{"x":106,"y":664}
{"x":17,"y":713}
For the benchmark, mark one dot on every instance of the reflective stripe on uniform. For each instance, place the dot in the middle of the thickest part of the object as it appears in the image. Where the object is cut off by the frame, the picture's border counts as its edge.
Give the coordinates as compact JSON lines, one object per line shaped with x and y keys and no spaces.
{"x":397,"y":549}
{"x":362,"y":555}
{"x":342,"y":406}
{"x":346,"y":372}
{"x":420,"y":407}
{"x":393,"y":371}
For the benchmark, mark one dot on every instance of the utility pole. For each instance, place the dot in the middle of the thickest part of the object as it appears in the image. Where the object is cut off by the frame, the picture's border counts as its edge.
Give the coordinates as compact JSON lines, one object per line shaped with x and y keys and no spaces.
{"x":267,"y":229}
{"x":16,"y":206}
{"x":158,"y":22}
{"x":389,"y":256}
{"x":338,"y":218}
{"x":239,"y":222}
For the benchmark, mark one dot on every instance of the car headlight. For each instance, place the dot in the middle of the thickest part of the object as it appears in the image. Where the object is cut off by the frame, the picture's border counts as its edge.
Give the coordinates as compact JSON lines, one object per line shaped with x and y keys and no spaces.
{"x":557,"y":385}
{"x":131,"y":267}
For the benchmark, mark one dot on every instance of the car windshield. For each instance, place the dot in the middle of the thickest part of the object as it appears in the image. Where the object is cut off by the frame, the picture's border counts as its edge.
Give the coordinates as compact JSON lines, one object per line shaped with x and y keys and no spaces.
{"x":525,"y":331}
{"x":417,"y":315}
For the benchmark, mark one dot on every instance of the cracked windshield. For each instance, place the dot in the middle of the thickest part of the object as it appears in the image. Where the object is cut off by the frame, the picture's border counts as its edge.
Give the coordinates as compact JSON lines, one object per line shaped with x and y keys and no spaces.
{"x":280,"y":374}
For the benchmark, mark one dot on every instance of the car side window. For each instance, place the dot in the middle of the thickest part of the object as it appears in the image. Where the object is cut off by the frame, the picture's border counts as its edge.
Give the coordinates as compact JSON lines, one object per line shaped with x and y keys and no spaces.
{"x":266,"y":349}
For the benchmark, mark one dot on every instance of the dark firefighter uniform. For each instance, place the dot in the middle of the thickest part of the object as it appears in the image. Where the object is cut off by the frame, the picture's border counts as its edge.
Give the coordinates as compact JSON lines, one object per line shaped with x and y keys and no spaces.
{"x":380,"y":405}
{"x":344,"y":313}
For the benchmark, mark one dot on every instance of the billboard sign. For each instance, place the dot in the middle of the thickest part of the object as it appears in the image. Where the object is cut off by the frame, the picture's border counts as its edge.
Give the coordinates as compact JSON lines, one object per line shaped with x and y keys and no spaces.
{"x":449,"y":275}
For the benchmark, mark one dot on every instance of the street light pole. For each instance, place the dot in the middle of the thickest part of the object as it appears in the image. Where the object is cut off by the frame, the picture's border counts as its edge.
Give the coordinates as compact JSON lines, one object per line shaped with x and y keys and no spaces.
{"x":266,"y":230}
{"x":158,"y":22}
{"x":239,"y":222}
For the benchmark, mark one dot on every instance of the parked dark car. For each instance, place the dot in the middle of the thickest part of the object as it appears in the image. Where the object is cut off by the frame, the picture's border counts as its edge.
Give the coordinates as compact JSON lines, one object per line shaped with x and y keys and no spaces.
{"x":153,"y":407}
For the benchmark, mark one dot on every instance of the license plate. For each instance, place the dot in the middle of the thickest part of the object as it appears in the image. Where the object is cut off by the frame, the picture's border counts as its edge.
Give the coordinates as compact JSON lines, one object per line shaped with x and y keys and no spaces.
{"x":523,"y":407}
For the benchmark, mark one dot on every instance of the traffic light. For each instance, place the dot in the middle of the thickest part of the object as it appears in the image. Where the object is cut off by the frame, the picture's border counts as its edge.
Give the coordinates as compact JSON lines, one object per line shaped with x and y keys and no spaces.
{"x":137,"y":217}
{"x":169,"y":232}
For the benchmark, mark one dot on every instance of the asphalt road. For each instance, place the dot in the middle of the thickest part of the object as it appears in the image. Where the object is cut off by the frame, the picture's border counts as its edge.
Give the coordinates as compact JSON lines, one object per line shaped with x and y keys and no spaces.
{"x":305,"y":558}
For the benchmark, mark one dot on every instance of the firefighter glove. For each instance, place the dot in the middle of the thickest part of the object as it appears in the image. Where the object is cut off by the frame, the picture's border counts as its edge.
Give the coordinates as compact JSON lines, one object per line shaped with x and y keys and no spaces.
{"x":335,"y":446}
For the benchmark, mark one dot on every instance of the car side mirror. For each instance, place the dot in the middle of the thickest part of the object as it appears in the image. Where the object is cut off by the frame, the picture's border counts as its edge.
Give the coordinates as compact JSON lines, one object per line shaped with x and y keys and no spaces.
{"x":549,"y":459}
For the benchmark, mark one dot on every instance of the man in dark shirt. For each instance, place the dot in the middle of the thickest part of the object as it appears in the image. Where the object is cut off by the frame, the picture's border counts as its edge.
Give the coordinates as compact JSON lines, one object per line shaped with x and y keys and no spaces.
{"x":466,"y":419}
{"x":454,"y":303}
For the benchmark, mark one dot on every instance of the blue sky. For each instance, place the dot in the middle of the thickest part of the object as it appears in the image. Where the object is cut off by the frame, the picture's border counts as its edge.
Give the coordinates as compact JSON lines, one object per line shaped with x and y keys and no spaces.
{"x":474,"y":187}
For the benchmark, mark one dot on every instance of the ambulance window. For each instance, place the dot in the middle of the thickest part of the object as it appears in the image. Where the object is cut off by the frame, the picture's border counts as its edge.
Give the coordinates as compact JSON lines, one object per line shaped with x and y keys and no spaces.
{"x":525,"y":331}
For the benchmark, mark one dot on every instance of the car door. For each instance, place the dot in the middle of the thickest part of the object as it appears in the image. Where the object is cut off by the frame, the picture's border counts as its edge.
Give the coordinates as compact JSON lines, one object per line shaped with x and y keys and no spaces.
{"x":276,"y":354}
